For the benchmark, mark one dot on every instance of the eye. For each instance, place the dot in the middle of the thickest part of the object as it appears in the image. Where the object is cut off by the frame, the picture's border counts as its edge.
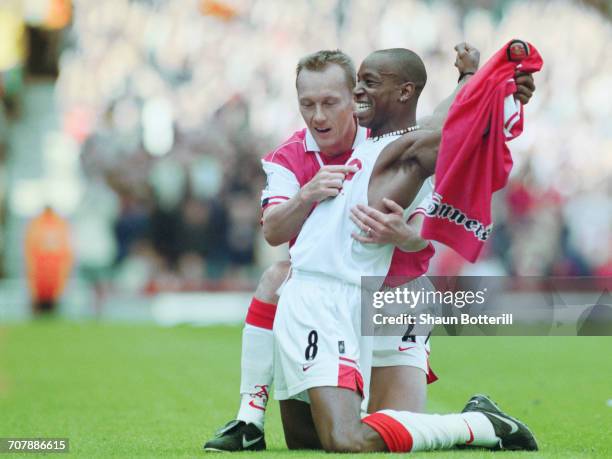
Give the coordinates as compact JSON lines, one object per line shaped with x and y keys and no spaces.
{"x":329,"y":103}
{"x":306,"y":104}
{"x":370,"y":83}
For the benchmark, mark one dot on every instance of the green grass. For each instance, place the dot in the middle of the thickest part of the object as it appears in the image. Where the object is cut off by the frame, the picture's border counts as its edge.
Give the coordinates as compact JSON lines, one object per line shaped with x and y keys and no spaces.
{"x":143,"y":391}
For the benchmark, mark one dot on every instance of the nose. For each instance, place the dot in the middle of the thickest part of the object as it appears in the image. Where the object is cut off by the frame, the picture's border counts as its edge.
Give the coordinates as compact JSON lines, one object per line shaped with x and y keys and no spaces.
{"x":358,"y":90}
{"x":319,"y":115}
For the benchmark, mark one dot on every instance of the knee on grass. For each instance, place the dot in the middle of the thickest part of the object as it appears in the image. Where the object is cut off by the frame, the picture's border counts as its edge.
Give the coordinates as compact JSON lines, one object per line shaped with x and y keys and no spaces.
{"x":304,"y":439}
{"x":294,"y":444}
{"x":341,"y":441}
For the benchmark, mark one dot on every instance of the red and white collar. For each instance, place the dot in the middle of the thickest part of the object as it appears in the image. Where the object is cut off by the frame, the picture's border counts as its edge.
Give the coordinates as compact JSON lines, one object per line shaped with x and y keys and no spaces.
{"x":310,"y":144}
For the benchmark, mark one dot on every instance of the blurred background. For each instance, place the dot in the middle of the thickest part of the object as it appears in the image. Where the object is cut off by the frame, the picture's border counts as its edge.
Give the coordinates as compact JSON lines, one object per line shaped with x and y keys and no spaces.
{"x":140,"y":125}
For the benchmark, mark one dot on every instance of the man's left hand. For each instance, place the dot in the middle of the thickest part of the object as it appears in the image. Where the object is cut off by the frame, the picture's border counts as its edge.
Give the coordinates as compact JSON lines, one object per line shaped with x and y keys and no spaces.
{"x":381,"y":228}
{"x":525,"y":86}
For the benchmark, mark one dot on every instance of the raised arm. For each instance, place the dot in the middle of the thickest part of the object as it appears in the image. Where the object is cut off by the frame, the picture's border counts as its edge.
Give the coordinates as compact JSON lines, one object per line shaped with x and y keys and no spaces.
{"x":467,"y":62}
{"x":422,"y":147}
{"x":419,"y":150}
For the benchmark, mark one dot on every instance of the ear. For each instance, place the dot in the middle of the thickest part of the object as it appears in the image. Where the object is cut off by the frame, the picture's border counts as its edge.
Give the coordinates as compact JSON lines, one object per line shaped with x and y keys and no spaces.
{"x":407,"y":90}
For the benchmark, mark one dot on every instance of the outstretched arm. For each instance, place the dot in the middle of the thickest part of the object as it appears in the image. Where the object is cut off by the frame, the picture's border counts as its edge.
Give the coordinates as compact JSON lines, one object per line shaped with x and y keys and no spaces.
{"x":420,"y":148}
{"x":423,"y":148}
{"x":467,"y":62}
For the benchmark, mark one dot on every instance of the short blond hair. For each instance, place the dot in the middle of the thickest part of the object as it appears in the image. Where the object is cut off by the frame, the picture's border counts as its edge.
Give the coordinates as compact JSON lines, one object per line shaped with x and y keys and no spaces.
{"x":322,"y":59}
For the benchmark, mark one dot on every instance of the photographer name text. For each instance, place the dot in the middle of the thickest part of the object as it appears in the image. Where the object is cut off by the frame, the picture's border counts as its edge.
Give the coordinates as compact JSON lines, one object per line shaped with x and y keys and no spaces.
{"x":432,"y":319}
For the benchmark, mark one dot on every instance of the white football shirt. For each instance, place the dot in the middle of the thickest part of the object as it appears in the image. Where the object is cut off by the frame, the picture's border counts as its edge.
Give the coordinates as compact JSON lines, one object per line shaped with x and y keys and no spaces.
{"x":325,"y":245}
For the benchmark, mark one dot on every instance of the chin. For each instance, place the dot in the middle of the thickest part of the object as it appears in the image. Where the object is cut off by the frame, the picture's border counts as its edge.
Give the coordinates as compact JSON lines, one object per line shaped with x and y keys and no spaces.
{"x":364,"y":122}
{"x":328,"y":146}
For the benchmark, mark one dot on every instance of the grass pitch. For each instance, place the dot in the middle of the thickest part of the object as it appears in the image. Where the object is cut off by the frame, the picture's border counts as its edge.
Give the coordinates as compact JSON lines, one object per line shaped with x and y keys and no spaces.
{"x":143,"y":391}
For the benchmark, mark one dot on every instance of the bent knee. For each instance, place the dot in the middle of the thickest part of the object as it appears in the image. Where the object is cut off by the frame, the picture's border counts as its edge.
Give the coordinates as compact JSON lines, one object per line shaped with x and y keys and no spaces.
{"x":341,"y":442}
{"x":301,"y":440}
{"x":294,"y":444}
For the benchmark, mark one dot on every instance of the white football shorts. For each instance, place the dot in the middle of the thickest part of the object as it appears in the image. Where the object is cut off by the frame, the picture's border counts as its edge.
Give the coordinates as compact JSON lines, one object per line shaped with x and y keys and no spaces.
{"x":408,"y":349}
{"x":317,"y":334}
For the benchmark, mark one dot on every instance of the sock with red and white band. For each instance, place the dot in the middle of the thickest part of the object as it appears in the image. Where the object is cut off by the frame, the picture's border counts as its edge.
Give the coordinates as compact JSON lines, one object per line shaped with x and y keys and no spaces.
{"x":404,"y":431}
{"x":257,"y":363}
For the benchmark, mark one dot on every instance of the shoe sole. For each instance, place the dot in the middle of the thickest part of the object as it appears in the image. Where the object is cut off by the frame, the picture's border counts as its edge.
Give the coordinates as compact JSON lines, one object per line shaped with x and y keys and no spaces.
{"x":215,"y":450}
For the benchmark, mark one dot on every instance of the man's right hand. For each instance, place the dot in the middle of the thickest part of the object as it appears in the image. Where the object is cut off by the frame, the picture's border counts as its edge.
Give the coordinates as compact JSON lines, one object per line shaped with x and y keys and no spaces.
{"x":327,"y":183}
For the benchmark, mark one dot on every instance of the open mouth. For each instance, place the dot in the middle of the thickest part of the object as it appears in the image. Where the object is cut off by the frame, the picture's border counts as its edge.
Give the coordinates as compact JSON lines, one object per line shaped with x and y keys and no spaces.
{"x":322,"y":130}
{"x":362,"y":107}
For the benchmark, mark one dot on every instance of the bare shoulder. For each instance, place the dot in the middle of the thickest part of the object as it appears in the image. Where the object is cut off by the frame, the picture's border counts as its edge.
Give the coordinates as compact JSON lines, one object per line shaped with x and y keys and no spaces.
{"x":393,"y":152}
{"x":424,"y":134}
{"x":416,"y":139}
{"x":422,"y":150}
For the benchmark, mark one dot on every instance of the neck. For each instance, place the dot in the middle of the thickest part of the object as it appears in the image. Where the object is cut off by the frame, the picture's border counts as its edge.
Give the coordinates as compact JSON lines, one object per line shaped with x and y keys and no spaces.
{"x":344,"y":145}
{"x":396,"y":124}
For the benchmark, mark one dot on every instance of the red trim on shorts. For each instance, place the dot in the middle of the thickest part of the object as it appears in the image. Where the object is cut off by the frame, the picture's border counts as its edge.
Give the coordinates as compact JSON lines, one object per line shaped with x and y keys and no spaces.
{"x":394,"y":434}
{"x":348,"y":360}
{"x":431,"y":376}
{"x":261,"y":314}
{"x":350,"y":378}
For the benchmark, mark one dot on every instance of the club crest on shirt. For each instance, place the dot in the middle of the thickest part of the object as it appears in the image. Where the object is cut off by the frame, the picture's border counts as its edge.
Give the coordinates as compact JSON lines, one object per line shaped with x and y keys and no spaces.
{"x":517,"y":50}
{"x":353,"y":162}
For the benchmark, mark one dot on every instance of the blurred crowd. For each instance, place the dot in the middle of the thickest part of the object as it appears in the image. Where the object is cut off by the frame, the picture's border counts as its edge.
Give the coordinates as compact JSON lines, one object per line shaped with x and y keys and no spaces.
{"x":174,"y":103}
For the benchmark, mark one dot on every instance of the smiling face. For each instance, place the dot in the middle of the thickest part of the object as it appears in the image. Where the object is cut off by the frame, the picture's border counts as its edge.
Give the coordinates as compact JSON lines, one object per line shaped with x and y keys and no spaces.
{"x":387,"y":90}
{"x":326,"y":104}
{"x":377,"y":93}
